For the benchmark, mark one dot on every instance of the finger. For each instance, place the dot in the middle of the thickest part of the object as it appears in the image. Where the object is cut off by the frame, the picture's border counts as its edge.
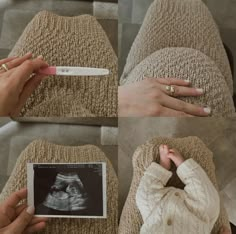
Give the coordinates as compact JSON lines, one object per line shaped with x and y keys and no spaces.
{"x":2,"y":70}
{"x":22,"y":221}
{"x":28,"y":89}
{"x":171,"y":155}
{"x":185,"y":107}
{"x":181,"y":91}
{"x":22,"y":73}
{"x":173,"y":158}
{"x":172,"y":150}
{"x":167,"y":112}
{"x":18,"y":61}
{"x":40,"y":57}
{"x":166,"y":147}
{"x":173,"y":81}
{"x":6,"y":60}
{"x":35,"y":228}
{"x":225,"y":230}
{"x":10,"y":71}
{"x":20,"y":208}
{"x":15,"y":198}
{"x":36,"y":220}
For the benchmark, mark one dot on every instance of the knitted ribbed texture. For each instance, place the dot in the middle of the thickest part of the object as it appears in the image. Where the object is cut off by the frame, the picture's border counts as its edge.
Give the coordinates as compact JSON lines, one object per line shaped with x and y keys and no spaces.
{"x":179,"y":23}
{"x":40,"y":151}
{"x":171,"y":210}
{"x":190,"y":147}
{"x":185,"y":63}
{"x":70,"y":41}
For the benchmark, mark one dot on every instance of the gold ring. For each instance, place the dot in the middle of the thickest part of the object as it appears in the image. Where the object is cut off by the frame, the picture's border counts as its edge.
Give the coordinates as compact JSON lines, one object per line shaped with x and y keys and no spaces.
{"x":4,"y":67}
{"x":168,"y":88}
{"x":172,"y":90}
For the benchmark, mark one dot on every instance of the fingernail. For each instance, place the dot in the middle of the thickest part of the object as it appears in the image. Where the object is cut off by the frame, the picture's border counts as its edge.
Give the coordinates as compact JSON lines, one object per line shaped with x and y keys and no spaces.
{"x":30,"y":210}
{"x":207,"y":110}
{"x":187,"y":81}
{"x":200,"y":90}
{"x":40,"y":57}
{"x":28,"y":53}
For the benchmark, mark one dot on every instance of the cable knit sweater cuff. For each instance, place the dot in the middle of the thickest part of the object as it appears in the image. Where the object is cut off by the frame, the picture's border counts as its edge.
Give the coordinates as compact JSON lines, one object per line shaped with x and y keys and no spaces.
{"x":159,"y":172}
{"x":187,"y":168}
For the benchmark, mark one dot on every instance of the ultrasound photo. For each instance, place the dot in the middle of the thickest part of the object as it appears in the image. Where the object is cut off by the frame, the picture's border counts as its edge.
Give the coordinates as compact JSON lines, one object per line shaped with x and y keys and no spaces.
{"x":67,"y":190}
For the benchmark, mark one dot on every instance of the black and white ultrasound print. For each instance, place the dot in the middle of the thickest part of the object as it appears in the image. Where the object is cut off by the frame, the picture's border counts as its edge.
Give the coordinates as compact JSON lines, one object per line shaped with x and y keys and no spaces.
{"x":67,"y":190}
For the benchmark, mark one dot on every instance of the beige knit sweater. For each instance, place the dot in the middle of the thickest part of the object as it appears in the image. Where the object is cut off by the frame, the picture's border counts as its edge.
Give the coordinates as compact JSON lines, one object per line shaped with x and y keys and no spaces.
{"x":171,"y":210}
{"x":40,"y":151}
{"x":179,"y":39}
{"x":189,"y":147}
{"x":70,"y":41}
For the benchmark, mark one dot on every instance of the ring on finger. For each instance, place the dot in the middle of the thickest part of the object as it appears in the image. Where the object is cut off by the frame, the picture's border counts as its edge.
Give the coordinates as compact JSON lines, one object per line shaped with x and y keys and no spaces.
{"x":168,"y":88}
{"x":172,"y":90}
{"x":4,"y":67}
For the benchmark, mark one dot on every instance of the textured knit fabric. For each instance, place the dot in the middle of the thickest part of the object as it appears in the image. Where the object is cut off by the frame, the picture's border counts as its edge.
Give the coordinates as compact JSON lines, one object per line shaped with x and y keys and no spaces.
{"x":70,"y":41}
{"x":170,"y":210}
{"x":179,"y":39}
{"x":181,"y":63}
{"x":40,"y":151}
{"x":190,"y":147}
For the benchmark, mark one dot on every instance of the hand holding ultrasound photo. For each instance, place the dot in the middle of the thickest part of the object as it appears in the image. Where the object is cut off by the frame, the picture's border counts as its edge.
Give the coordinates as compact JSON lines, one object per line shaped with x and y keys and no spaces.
{"x":67,"y":190}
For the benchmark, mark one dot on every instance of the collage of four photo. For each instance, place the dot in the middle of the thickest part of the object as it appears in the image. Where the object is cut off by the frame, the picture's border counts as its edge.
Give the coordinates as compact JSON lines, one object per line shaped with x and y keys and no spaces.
{"x":117,"y":117}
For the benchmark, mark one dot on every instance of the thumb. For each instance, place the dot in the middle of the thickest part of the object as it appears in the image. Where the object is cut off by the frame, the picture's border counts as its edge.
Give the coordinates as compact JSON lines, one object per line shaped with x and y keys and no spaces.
{"x":225,"y":230}
{"x":22,"y":221}
{"x":171,"y":156}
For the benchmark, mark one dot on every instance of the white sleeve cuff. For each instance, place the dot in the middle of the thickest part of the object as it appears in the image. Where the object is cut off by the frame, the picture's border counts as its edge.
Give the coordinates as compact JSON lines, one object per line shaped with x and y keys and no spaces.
{"x":159,"y":172}
{"x":187,"y":168}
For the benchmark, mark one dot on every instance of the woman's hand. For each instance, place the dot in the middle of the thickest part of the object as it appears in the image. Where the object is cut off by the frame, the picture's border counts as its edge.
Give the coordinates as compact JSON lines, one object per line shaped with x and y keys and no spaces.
{"x":18,"y":219}
{"x":18,"y":83}
{"x":151,"y":97}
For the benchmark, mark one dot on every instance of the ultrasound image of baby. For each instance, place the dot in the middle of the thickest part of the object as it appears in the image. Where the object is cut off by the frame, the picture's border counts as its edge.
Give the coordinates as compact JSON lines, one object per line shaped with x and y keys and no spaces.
{"x":67,"y":193}
{"x":67,"y":190}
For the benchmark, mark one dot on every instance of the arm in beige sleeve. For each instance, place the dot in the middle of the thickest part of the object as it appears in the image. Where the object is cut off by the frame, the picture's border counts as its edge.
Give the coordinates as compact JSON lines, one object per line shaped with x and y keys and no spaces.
{"x":202,"y":197}
{"x":150,"y":189}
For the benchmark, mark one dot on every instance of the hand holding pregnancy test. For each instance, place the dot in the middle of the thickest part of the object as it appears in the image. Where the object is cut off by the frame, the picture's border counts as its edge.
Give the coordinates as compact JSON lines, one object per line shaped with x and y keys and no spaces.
{"x":74,"y":71}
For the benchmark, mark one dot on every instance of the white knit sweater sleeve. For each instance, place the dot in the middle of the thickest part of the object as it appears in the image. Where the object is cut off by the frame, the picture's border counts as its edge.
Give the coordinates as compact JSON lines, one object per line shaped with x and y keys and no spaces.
{"x":150,"y":189}
{"x":202,"y":198}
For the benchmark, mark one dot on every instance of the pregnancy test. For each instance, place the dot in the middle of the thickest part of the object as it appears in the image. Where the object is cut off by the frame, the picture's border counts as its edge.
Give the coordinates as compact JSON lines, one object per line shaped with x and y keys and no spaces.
{"x":74,"y":71}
